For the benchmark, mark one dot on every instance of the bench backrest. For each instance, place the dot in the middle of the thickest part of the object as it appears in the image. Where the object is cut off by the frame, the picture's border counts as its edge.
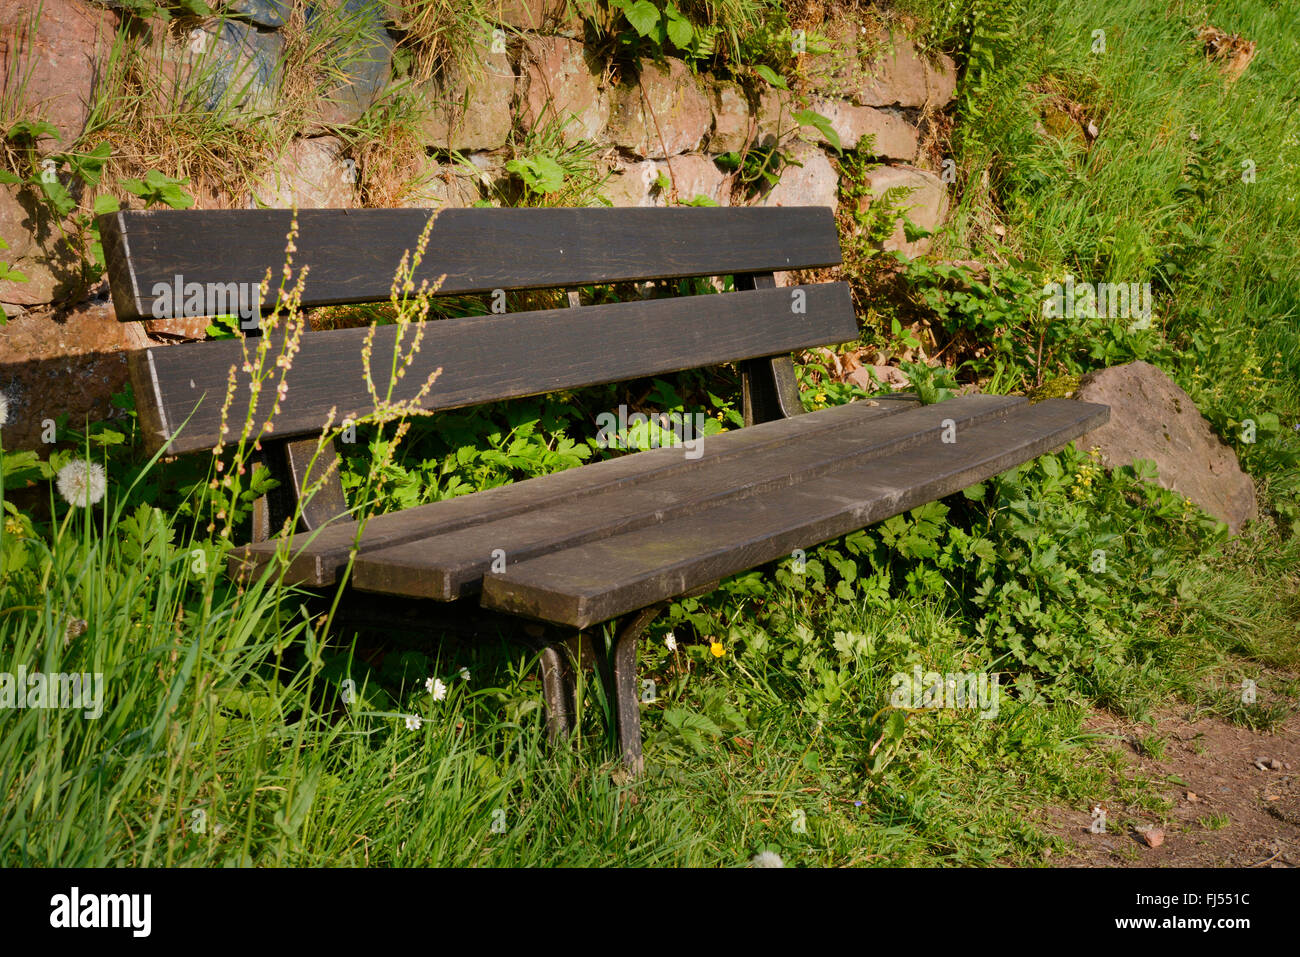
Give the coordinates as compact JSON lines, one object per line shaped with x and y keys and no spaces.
{"x":171,"y":263}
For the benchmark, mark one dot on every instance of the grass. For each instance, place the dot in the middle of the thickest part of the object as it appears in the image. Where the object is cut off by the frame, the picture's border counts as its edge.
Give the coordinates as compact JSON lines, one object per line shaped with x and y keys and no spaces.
{"x":226,"y":738}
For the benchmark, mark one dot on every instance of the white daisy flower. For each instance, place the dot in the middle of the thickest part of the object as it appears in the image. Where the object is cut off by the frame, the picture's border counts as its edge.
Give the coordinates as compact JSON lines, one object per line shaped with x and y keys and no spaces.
{"x":767,"y":859}
{"x":671,"y":641}
{"x":436,"y":688}
{"x":81,"y":483}
{"x":413,"y":722}
{"x":464,"y":674}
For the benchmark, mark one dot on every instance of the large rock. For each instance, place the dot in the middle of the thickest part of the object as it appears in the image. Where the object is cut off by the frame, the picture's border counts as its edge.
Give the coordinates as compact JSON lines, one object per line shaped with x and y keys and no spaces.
{"x":225,"y":66}
{"x":527,"y":14}
{"x":37,"y":249}
{"x":815,"y":183}
{"x":631,"y":183}
{"x":1152,"y":418}
{"x":730,"y":118}
{"x":265,"y":13}
{"x":470,"y":108}
{"x":51,"y":57}
{"x":561,"y":83}
{"x":663,"y":112}
{"x":441,"y":186}
{"x":365,"y":61}
{"x":892,"y":137}
{"x":637,"y":183}
{"x":894,"y":73}
{"x":693,"y":175}
{"x":72,"y":364}
{"x":920,"y":196}
{"x":774,"y":120}
{"x":312,"y":174}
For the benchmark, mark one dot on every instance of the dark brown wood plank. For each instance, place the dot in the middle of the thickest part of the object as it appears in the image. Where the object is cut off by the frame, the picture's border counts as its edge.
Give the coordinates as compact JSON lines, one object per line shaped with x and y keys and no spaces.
{"x":481,"y":358}
{"x":452,"y":565}
{"x":602,"y":580}
{"x":351,"y":255}
{"x":317,"y":559}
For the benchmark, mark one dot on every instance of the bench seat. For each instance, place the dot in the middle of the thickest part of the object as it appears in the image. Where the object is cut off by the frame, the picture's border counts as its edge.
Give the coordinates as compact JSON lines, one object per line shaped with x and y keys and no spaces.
{"x":611,"y":576}
{"x":577,"y":556}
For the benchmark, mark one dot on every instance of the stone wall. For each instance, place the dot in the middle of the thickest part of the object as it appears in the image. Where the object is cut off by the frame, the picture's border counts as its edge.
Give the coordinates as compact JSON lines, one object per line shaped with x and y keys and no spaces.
{"x":649,"y":123}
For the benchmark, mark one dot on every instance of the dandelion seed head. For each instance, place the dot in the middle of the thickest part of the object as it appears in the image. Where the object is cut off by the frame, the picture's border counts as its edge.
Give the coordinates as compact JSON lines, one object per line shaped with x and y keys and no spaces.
{"x":81,"y":483}
{"x":767,"y":859}
{"x":75,"y":629}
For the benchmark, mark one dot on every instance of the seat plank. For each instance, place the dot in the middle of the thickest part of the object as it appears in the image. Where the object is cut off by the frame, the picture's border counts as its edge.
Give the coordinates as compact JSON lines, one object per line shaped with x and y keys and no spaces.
{"x":452,"y":565}
{"x":601,"y":580}
{"x":186,"y":386}
{"x":352,"y":254}
{"x":317,"y":558}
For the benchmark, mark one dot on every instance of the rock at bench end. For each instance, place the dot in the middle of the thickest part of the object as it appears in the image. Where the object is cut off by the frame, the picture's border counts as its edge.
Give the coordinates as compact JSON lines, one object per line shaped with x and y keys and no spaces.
{"x":1152,"y":418}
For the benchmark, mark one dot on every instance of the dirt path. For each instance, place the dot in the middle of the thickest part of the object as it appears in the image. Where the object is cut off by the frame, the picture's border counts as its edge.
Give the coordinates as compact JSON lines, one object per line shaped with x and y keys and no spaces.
{"x":1231,"y":809}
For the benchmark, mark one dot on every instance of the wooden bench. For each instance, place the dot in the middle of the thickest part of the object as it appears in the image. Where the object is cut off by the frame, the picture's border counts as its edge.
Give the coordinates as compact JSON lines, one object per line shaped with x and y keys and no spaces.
{"x":615,"y":539}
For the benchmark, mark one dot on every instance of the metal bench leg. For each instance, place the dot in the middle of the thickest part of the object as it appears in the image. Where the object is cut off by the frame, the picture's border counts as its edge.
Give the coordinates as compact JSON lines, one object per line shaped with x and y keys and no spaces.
{"x":557,"y":691}
{"x":627,"y":703}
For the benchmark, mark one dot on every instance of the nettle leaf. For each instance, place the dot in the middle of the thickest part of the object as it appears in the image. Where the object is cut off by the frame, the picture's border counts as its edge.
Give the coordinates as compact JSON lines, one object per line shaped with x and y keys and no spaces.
{"x":32,"y":130}
{"x":88,"y":167}
{"x":57,"y":195}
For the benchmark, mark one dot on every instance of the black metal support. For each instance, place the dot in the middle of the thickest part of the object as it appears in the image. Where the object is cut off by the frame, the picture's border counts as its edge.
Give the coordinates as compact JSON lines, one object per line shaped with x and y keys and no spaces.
{"x":769,"y":389}
{"x":627,"y":703}
{"x":557,"y":691}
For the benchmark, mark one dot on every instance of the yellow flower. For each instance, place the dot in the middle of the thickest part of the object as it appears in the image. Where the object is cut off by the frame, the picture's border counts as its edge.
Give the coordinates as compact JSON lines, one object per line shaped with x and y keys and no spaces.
{"x":717,"y":649}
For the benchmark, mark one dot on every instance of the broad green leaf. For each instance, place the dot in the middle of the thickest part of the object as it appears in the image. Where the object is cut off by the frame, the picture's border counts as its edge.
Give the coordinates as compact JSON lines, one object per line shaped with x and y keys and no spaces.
{"x":680,"y":30}
{"x":771,"y":76}
{"x":822,"y":124}
{"x":643,"y":16}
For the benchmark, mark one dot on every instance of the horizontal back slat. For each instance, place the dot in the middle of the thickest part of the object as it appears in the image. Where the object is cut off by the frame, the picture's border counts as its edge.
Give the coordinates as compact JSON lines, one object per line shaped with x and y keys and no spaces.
{"x":352,"y":255}
{"x":482,"y":358}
